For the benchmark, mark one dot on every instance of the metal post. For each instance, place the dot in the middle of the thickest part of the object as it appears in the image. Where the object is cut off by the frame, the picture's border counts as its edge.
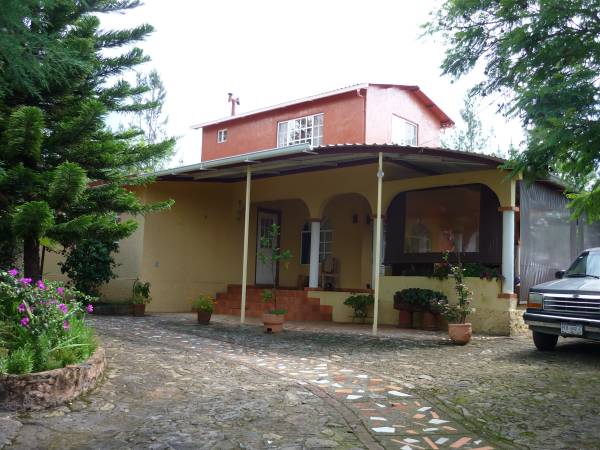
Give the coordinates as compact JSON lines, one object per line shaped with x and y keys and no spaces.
{"x":377,"y":261}
{"x":246,"y":238}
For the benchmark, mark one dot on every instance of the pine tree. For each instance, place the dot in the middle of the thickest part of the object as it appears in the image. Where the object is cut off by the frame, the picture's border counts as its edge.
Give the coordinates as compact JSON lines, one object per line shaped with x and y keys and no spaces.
{"x":470,"y":137}
{"x":65,"y":174}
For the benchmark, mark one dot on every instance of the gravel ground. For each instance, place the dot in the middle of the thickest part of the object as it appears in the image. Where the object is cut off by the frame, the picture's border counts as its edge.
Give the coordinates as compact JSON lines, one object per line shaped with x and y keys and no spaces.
{"x":178,"y":390}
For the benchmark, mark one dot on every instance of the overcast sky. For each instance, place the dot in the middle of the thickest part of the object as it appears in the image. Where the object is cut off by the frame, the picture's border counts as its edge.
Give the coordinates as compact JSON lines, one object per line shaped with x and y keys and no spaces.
{"x":271,"y":51}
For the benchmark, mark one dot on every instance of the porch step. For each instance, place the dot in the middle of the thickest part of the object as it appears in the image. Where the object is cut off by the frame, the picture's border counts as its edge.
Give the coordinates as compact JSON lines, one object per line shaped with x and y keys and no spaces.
{"x":298,"y":305}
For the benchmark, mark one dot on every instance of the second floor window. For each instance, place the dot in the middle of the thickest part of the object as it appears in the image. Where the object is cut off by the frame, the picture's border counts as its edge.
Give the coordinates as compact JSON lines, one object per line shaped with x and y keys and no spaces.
{"x":221,"y":136}
{"x":304,"y":130}
{"x":403,"y":131}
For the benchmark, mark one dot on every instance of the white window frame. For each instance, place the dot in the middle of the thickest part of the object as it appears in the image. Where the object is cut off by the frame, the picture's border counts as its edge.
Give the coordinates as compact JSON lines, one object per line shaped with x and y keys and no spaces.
{"x":325,"y":241}
{"x":301,"y":130}
{"x":404,"y":139}
{"x":222,"y":136}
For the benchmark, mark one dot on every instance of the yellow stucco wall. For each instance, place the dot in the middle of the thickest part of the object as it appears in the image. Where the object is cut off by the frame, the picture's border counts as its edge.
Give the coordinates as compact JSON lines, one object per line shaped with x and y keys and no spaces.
{"x":493,"y":315}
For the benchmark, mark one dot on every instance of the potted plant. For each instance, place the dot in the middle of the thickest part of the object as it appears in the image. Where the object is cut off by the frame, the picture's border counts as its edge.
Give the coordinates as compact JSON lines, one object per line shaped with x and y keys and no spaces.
{"x":360,"y":303}
{"x":140,"y":297}
{"x":411,"y":300}
{"x":459,"y":329}
{"x":204,"y":305}
{"x":274,"y":317}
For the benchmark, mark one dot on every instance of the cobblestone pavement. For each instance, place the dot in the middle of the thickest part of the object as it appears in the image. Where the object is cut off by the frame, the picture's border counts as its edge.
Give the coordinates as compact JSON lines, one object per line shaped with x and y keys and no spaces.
{"x":176,"y":384}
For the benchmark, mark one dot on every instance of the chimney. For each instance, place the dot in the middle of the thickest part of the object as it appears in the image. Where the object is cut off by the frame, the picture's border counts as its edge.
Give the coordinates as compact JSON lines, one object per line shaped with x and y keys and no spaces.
{"x":234,"y":101}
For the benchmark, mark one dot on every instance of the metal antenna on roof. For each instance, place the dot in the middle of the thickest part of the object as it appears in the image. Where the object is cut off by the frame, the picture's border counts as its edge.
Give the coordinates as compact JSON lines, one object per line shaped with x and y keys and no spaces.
{"x":234,"y":101}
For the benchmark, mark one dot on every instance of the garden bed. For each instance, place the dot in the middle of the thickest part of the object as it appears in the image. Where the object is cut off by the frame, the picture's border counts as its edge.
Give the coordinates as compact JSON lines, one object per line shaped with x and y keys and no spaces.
{"x":52,"y":387}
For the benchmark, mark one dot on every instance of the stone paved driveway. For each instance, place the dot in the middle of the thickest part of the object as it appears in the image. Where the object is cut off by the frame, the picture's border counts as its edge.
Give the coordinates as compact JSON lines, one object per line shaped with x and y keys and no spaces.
{"x":175,"y":384}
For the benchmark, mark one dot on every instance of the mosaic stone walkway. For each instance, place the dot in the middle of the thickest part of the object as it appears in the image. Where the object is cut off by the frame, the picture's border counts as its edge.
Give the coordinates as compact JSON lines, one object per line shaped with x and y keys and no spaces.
{"x":394,"y":417}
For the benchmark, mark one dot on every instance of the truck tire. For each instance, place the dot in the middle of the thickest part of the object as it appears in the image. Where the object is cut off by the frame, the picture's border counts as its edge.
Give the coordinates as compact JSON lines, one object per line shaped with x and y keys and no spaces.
{"x":545,"y":342}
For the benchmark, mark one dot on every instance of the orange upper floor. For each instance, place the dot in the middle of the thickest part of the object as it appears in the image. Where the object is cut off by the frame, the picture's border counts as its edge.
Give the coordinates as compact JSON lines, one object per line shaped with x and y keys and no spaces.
{"x":367,"y":113}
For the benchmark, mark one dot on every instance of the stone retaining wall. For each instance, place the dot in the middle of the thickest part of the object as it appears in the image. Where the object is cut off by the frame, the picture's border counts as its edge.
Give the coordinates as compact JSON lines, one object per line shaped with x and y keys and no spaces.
{"x":52,"y":387}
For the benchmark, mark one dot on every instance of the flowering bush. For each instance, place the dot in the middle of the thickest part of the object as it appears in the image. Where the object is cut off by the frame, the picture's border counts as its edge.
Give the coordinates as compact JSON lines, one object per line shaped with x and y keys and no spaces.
{"x":42,"y":325}
{"x":457,"y":313}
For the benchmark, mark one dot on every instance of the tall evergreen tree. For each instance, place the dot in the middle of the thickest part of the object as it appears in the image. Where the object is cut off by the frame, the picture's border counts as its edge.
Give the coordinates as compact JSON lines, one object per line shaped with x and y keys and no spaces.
{"x":544,"y":57}
{"x":470,"y":137}
{"x":66,"y":175}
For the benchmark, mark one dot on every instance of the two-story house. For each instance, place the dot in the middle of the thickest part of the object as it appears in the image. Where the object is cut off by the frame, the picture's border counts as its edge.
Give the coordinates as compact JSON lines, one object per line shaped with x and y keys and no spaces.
{"x":366,"y":201}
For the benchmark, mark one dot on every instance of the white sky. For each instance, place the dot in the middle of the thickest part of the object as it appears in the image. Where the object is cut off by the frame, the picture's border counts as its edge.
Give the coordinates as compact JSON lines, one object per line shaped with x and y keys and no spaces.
{"x":271,"y":51}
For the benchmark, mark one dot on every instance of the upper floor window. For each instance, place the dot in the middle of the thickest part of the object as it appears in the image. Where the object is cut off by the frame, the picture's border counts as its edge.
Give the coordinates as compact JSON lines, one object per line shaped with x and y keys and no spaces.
{"x":221,"y":136}
{"x":304,"y":130}
{"x":403,"y":131}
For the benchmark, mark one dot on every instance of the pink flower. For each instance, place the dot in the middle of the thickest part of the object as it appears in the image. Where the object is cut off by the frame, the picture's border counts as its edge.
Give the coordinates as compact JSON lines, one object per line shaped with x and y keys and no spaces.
{"x":13,"y":272}
{"x":25,"y":321}
{"x":65,"y":325}
{"x":64,"y":308}
{"x":61,"y":291}
{"x":25,"y":280}
{"x":41,"y":285}
{"x":89,"y":308}
{"x":21,"y":308}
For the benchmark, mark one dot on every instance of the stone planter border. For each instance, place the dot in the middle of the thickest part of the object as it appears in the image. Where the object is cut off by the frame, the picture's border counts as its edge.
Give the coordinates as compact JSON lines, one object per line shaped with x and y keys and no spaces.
{"x":52,"y":387}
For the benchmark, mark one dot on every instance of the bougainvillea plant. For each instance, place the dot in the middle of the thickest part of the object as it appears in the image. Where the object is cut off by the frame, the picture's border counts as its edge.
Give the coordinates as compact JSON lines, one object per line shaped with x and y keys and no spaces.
{"x":42,"y":324}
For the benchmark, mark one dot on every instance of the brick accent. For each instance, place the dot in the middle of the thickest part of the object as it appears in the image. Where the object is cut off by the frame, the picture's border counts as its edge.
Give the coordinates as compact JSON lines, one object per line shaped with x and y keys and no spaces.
{"x":299,"y":306}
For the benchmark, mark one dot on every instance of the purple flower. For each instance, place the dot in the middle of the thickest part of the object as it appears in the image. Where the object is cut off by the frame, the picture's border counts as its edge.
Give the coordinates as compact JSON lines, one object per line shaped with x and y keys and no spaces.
{"x":65,"y":325}
{"x":41,"y":285}
{"x":13,"y":272}
{"x":61,"y":291}
{"x":25,"y":321}
{"x":89,"y":308}
{"x":64,"y":308}
{"x":25,"y":280}
{"x":21,"y":308}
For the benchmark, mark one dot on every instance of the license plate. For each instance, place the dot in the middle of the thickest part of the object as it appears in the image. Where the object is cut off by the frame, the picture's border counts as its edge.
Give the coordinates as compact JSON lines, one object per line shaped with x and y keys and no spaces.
{"x":571,"y":329}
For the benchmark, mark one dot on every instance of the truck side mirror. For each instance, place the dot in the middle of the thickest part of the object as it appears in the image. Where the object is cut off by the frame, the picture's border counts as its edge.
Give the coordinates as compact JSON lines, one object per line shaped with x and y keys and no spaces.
{"x":559,"y":274}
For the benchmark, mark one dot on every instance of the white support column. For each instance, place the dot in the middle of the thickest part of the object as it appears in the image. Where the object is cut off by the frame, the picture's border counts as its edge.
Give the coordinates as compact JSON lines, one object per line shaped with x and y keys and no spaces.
{"x":315,"y":242}
{"x":375,"y":268}
{"x":508,"y":250}
{"x":246,"y":238}
{"x":377,"y":260}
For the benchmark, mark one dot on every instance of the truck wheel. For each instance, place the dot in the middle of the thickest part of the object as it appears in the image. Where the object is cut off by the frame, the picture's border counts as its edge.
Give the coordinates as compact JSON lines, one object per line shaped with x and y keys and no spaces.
{"x":544,"y":342}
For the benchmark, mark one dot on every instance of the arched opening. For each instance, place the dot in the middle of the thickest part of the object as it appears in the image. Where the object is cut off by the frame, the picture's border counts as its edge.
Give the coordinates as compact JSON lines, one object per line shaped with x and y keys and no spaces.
{"x":346,"y":246}
{"x":424,"y":224}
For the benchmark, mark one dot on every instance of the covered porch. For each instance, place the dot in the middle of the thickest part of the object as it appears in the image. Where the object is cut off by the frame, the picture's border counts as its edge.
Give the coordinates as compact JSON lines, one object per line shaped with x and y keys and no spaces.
{"x":327,"y":201}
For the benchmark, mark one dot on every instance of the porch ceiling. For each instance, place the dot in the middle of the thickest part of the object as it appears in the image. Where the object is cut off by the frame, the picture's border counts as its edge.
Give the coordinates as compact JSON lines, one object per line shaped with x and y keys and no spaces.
{"x":400,"y":162}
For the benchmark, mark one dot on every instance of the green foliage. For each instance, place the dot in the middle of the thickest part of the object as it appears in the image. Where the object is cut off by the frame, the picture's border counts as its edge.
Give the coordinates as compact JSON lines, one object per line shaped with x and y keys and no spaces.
{"x":277,"y":255}
{"x":360,"y":303}
{"x":471,"y":137}
{"x":204,"y":303}
{"x":58,"y":85}
{"x":442,"y":271}
{"x":457,"y":313}
{"x":89,"y":264}
{"x":20,"y":361}
{"x":32,"y":219}
{"x":41,"y":325}
{"x":141,"y":293}
{"x":543,"y":57}
{"x":419,"y":299}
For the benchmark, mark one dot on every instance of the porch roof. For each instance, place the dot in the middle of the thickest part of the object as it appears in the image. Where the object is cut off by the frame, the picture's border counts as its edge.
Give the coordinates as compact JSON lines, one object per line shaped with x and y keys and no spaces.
{"x":402,"y":161}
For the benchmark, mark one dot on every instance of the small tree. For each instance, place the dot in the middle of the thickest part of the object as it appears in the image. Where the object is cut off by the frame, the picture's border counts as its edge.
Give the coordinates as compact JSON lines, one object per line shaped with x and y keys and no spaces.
{"x":457,"y":313}
{"x":270,"y":240}
{"x":470,"y":137}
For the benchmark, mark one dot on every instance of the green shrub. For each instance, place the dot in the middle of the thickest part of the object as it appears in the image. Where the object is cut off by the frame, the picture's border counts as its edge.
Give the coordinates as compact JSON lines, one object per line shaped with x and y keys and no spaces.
{"x":90,"y":264}
{"x":424,"y":299}
{"x":360,"y":303}
{"x":20,"y":361}
{"x":204,"y":303}
{"x":141,"y":293}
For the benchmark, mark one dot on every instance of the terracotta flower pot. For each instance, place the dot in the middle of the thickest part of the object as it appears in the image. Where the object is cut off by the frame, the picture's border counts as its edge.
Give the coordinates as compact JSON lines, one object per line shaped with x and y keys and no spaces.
{"x":204,"y":317}
{"x":460,"y":333}
{"x":429,"y":322}
{"x":405,"y":319}
{"x":139,"y":309}
{"x":273,"y":323}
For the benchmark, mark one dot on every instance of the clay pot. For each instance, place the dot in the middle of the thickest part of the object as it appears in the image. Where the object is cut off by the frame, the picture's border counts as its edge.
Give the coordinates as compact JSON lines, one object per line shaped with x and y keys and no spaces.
{"x":139,"y":309}
{"x":204,"y":317}
{"x":405,"y":319}
{"x":429,"y":322}
{"x":273,"y":323}
{"x":460,"y":333}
